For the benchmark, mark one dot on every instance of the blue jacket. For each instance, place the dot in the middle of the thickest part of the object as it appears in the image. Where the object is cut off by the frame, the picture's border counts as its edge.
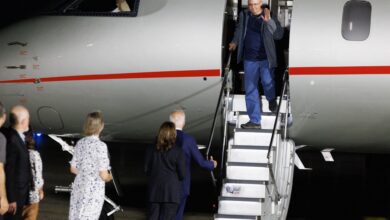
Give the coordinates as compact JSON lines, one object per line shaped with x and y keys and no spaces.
{"x":191,"y":152}
{"x":270,"y":31}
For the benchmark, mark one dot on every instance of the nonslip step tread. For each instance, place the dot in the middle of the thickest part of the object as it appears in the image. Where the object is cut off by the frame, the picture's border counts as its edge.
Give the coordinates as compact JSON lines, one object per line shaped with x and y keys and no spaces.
{"x":251,"y":147}
{"x":243,"y":164}
{"x":249,"y":217}
{"x":240,"y":199}
{"x":262,"y":113}
{"x":245,"y":181}
{"x":254,"y":130}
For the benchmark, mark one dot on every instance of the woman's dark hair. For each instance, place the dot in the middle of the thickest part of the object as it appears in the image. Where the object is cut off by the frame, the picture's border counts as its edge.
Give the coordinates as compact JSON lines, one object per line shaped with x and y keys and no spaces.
{"x":29,"y":138}
{"x":166,"y":136}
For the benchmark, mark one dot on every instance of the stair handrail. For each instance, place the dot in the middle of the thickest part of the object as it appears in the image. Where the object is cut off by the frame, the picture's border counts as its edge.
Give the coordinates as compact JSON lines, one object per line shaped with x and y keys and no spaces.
{"x":272,"y":175}
{"x":227,"y":72}
{"x":284,"y":90}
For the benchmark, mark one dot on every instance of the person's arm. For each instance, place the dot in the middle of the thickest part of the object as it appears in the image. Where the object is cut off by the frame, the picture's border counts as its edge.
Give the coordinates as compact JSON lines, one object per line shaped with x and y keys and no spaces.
{"x":238,"y":31}
{"x":74,"y":170}
{"x":105,"y":175}
{"x":181,"y":165}
{"x":273,"y":25}
{"x":198,"y":157}
{"x":74,"y":162}
{"x":3,"y":193}
{"x":103,"y":163}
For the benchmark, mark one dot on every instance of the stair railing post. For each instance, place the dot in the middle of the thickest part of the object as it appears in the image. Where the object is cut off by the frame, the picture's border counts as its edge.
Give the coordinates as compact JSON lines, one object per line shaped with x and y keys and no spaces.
{"x":225,"y":81}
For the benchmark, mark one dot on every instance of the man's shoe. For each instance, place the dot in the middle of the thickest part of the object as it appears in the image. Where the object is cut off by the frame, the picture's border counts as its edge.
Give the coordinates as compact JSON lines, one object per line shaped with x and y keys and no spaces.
{"x":273,"y":106}
{"x":249,"y":125}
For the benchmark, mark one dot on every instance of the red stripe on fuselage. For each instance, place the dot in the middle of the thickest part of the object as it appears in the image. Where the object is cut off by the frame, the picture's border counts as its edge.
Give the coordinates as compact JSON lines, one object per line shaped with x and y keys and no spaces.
{"x":141,"y":75}
{"x":339,"y":70}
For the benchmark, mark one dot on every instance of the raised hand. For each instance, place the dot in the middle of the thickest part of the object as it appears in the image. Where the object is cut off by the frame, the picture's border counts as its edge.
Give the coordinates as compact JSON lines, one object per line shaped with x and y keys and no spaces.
{"x":267,"y":15}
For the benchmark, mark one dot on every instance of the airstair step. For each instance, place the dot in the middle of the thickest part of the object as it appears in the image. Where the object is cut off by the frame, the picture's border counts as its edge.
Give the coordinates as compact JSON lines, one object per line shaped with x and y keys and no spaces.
{"x":233,"y":217}
{"x":247,"y":171}
{"x":249,"y":154}
{"x":239,"y":206}
{"x":238,"y":104}
{"x":243,"y":189}
{"x":254,"y":137}
{"x":267,"y":120}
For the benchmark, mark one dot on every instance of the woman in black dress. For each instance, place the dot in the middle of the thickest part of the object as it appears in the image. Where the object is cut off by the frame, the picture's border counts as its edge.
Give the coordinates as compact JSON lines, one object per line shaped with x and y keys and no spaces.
{"x":165,"y":166}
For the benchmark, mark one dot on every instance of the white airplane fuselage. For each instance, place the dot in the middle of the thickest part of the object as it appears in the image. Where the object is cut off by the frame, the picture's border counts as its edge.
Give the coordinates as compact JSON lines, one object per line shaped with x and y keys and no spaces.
{"x":134,"y":69}
{"x":138,"y":69}
{"x":339,"y":87}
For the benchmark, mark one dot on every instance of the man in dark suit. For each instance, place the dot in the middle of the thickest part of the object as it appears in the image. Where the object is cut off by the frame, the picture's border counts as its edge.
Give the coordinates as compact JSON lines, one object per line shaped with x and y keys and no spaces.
{"x":191,"y":152}
{"x":3,"y":143}
{"x":17,"y":169}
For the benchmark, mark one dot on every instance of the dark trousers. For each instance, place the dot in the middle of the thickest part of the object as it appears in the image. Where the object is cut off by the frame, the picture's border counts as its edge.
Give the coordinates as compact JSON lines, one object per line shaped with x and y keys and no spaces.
{"x":20,"y":203}
{"x":17,"y":216}
{"x":162,"y":211}
{"x":180,"y":209}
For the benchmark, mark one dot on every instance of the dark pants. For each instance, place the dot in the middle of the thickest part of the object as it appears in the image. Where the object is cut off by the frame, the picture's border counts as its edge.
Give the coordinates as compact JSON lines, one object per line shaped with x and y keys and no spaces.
{"x":20,"y":203}
{"x":180,"y":209}
{"x":17,"y":216}
{"x":162,"y":211}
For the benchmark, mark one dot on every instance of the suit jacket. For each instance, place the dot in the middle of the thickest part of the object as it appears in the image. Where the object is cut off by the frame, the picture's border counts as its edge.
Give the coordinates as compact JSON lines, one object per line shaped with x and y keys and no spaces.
{"x":17,"y":169}
{"x":191,"y":152}
{"x":165,"y":169}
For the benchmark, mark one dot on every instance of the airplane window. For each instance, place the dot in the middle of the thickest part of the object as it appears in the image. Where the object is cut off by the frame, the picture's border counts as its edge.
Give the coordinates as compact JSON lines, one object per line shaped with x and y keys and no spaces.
{"x":356,"y":20}
{"x":97,"y":8}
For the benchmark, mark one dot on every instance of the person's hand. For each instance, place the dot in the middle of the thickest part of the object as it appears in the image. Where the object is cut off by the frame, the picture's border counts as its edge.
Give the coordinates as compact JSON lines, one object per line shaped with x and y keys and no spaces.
{"x":3,"y":205}
{"x":214,"y":161}
{"x":41,"y":194}
{"x":12,"y":208}
{"x":232,"y":46}
{"x":267,"y":15}
{"x":110,"y":177}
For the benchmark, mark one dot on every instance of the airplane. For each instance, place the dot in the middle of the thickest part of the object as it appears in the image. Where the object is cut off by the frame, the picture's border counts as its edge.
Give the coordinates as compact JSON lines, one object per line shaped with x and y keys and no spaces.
{"x":138,"y":66}
{"x":61,"y":66}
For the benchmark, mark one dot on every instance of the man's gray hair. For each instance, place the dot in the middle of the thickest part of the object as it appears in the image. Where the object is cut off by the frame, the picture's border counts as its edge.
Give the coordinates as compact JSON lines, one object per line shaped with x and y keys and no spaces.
{"x":177,"y":120}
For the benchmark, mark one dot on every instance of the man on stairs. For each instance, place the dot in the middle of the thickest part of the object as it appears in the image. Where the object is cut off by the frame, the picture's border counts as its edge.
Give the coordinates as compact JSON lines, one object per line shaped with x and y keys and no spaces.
{"x":254,"y":35}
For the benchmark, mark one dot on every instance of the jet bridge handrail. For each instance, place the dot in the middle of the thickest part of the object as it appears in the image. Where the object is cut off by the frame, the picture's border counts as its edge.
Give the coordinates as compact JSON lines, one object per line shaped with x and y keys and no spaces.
{"x":284,"y":91}
{"x":226,"y":72}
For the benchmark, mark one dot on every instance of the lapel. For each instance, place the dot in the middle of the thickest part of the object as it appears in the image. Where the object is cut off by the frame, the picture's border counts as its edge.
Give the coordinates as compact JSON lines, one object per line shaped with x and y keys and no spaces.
{"x":21,"y":143}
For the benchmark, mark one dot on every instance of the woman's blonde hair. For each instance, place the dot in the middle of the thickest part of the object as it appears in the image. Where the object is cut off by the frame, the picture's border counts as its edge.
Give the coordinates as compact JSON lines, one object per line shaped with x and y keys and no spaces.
{"x":166,"y":136}
{"x":93,"y":124}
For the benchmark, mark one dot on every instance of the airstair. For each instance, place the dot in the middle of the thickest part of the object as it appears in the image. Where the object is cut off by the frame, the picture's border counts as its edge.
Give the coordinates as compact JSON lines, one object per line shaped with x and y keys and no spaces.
{"x":259,"y":174}
{"x":256,"y":179}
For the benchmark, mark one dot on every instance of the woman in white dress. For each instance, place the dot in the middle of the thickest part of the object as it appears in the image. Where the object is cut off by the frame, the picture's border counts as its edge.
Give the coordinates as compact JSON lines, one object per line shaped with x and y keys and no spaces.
{"x":91,"y":165}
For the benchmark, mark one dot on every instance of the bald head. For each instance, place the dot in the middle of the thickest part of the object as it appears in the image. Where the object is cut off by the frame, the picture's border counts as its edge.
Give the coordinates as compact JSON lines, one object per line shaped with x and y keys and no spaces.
{"x":19,"y":118}
{"x":255,"y":6}
{"x":179,"y":118}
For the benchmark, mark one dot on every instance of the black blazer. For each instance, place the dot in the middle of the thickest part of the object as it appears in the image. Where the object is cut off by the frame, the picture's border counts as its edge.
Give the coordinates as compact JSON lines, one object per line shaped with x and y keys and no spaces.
{"x":17,"y":169}
{"x":165,"y":169}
